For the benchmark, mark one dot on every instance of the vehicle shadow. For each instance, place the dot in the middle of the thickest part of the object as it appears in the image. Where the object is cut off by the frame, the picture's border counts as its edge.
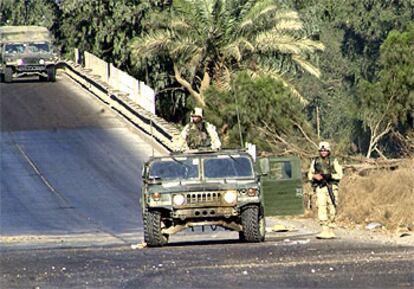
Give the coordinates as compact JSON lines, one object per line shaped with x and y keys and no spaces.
{"x":27,"y":80}
{"x":203,"y":243}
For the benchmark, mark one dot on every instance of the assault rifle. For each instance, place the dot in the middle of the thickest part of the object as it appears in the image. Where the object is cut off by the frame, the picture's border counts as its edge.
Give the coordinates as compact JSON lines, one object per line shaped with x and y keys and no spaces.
{"x":325,"y":182}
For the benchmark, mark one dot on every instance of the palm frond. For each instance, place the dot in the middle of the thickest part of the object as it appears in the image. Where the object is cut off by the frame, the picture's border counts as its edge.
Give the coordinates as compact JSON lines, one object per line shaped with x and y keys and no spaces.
{"x":202,"y":11}
{"x":232,"y":51}
{"x":275,"y":42}
{"x":179,"y":25}
{"x":246,"y":45}
{"x":246,"y":8}
{"x":223,"y":78}
{"x":286,"y":15}
{"x":237,"y":49}
{"x":196,"y":57}
{"x":289,"y":25}
{"x":275,"y":74}
{"x":152,"y":44}
{"x":183,"y":49}
{"x":260,"y":10}
{"x":246,"y":25}
{"x":306,"y":65}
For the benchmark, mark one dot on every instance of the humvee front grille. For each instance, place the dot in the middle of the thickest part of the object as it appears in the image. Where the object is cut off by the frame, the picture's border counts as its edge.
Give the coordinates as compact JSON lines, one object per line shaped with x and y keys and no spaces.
{"x":31,"y":60}
{"x":31,"y":68}
{"x":203,"y":198}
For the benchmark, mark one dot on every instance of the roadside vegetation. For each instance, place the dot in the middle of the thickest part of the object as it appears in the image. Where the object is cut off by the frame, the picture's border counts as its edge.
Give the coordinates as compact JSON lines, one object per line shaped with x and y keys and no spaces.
{"x":383,"y":196}
{"x":293,"y":72}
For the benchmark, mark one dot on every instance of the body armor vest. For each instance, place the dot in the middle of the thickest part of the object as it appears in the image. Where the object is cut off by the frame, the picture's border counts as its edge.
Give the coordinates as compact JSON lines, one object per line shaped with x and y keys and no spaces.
{"x":325,"y":166}
{"x":197,"y":136}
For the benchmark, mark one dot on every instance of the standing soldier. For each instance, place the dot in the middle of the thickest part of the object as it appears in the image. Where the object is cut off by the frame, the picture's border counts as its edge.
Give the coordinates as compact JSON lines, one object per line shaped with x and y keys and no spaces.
{"x":325,"y":173}
{"x":199,"y":134}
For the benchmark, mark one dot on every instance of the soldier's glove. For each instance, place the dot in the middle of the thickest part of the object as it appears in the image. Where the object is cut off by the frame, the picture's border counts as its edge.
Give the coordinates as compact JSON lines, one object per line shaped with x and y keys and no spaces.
{"x":327,"y":177}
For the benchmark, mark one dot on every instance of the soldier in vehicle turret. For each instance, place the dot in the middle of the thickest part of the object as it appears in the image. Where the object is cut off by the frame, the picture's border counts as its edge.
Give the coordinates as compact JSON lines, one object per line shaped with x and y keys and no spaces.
{"x":199,"y":134}
{"x":325,"y":174}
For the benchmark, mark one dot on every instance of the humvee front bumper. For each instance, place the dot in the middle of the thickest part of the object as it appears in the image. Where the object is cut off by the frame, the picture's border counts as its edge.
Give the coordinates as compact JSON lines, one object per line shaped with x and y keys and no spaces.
{"x":30,"y":68}
{"x":211,"y":212}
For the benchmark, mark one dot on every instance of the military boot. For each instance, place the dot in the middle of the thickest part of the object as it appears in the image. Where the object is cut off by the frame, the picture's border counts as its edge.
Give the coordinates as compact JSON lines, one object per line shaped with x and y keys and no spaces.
{"x":326,"y":233}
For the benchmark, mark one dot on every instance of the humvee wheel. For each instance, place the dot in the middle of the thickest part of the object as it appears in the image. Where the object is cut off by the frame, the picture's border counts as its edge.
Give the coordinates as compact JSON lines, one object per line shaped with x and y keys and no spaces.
{"x":241,"y":236}
{"x":51,"y":73}
{"x":253,"y":225}
{"x":152,"y":229}
{"x":144,"y":218}
{"x":8,"y":74}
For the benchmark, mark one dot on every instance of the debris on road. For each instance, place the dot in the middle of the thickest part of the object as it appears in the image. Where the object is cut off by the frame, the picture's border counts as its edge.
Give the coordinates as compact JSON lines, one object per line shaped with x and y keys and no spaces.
{"x":280,"y":228}
{"x":297,"y":242}
{"x":138,"y":246}
{"x":374,"y":226}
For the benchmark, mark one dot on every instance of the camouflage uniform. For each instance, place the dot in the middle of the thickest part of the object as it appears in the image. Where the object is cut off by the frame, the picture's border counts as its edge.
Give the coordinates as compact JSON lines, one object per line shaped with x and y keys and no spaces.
{"x":330,"y":168}
{"x":201,"y":135}
{"x":198,"y":135}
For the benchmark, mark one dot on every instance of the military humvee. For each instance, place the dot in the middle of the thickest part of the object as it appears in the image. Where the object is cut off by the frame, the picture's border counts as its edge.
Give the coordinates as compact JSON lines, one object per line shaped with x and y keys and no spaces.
{"x":26,"y":51}
{"x":186,"y":190}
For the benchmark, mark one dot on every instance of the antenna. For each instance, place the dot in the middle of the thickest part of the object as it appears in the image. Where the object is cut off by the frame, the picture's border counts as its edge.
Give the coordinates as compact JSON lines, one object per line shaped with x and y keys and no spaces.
{"x":238,"y":121}
{"x":152,"y":138}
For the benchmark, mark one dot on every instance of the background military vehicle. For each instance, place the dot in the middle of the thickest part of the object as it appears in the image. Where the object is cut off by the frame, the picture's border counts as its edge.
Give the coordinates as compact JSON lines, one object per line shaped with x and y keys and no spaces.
{"x":185,"y":190}
{"x":26,"y":51}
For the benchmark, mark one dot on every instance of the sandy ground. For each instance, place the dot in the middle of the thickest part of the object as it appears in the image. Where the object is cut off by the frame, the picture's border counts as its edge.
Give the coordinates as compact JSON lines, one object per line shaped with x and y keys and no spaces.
{"x":301,"y":225}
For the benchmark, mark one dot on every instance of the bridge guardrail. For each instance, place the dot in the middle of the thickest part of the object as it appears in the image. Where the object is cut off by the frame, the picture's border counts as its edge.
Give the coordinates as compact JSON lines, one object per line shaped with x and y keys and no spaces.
{"x":162,"y":131}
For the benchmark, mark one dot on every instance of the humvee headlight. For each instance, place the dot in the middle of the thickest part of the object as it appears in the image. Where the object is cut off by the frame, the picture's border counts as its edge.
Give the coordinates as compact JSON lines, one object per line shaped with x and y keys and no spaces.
{"x":41,"y":61}
{"x":252,"y":192}
{"x":19,"y":61}
{"x":230,"y":197}
{"x":156,"y":196}
{"x":178,"y":200}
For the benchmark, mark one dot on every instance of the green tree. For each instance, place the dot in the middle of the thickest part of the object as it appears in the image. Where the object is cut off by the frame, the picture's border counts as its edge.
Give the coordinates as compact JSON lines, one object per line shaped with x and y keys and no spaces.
{"x":388,"y":103}
{"x":352,"y":32}
{"x":207,"y":41}
{"x":28,"y":12}
{"x":261,"y":111}
{"x":103,"y":28}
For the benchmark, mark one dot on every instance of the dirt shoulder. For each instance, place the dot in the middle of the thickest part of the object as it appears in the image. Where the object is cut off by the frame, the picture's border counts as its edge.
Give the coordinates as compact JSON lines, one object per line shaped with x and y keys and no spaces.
{"x":308,"y":228}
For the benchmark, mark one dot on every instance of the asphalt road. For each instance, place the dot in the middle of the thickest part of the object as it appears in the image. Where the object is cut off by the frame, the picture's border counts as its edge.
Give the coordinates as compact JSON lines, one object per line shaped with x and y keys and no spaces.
{"x":69,"y":166}
{"x":70,"y":182}
{"x":219,"y":264}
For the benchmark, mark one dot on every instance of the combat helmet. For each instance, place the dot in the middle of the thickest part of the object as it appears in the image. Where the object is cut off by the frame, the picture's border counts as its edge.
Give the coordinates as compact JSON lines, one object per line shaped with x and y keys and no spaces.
{"x":324,"y":145}
{"x":198,"y":111}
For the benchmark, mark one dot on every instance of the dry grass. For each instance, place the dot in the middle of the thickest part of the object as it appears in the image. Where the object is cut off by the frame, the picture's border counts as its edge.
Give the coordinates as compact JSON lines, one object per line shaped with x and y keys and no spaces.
{"x":383,"y":196}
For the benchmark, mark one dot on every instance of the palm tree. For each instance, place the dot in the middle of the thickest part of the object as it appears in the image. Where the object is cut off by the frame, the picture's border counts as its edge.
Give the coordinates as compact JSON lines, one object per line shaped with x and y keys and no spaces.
{"x":209,"y":40}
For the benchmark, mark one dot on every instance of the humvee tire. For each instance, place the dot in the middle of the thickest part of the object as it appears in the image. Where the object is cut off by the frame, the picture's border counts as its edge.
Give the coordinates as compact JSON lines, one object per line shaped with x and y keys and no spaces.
{"x":253,"y":225}
{"x":51,"y":73}
{"x":152,"y":229}
{"x":8,"y":74}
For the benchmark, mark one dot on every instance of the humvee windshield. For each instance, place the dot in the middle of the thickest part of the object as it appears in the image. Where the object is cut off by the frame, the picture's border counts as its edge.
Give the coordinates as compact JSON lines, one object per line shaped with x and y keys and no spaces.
{"x":217,"y":167}
{"x":14,"y":48}
{"x":19,"y":48}
{"x":174,"y":169}
{"x":38,"y":47}
{"x":228,"y":167}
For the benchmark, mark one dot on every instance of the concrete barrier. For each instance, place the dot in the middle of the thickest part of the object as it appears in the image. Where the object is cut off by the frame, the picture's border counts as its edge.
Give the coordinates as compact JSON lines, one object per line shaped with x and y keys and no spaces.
{"x":119,"y":80}
{"x":162,"y":131}
{"x":97,"y":66}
